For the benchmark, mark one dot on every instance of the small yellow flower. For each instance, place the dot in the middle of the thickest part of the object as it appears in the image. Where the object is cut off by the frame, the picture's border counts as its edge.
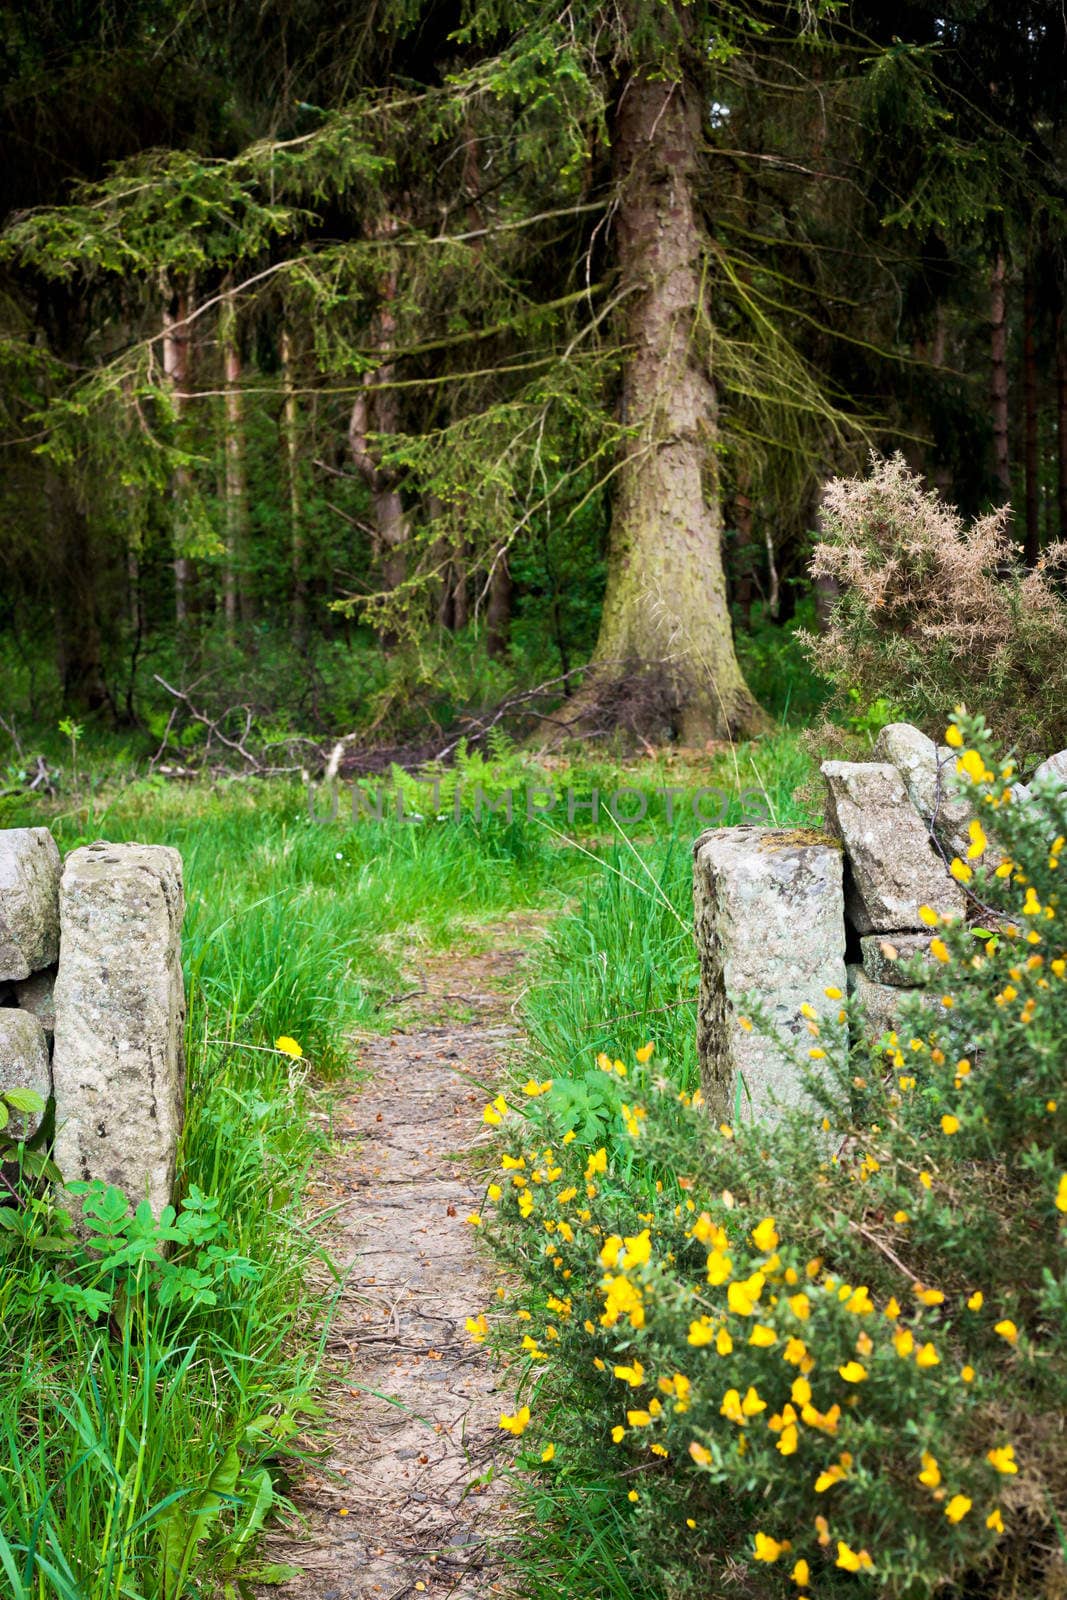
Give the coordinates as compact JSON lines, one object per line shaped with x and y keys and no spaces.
{"x":700,"y":1454}
{"x":967,"y":1374}
{"x":978,"y":841}
{"x":927,"y":1356}
{"x":995,"y":1520}
{"x":853,"y":1560}
{"x":532,"y":1088}
{"x":618,"y":1433}
{"x":1061,"y":1193}
{"x":939,"y":949}
{"x":768,"y":1549}
{"x":1007,"y":1330}
{"x":954,"y":737}
{"x":975,"y":1301}
{"x":762,"y":1336}
{"x":474,"y":1219}
{"x":548,"y":1453}
{"x":478,"y":1328}
{"x":495,"y":1111}
{"x":928,"y":1297}
{"x":853,"y":1372}
{"x":752,"y":1405}
{"x":645,"y":1052}
{"x":743,"y":1022}
{"x":960,"y":870}
{"x":957,"y":1508}
{"x":518,"y":1423}
{"x":765,"y":1236}
{"x":288,"y":1047}
{"x":950,"y":1124}
{"x":970,"y":765}
{"x":801,"y":1574}
{"x":1003,"y":1459}
{"x":633,"y":1495}
{"x":931,"y":1472}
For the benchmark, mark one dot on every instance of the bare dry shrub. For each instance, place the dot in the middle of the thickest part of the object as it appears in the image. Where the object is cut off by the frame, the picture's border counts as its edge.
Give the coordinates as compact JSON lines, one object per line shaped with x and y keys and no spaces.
{"x":932,"y":612}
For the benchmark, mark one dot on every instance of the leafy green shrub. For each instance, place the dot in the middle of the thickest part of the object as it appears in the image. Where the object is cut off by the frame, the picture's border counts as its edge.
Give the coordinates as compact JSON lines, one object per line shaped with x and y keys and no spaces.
{"x":824,"y":1359}
{"x":931,"y":612}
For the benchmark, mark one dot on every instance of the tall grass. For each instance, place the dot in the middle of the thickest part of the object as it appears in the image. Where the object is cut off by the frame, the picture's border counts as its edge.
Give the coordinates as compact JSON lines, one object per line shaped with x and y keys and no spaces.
{"x":141,"y":1444}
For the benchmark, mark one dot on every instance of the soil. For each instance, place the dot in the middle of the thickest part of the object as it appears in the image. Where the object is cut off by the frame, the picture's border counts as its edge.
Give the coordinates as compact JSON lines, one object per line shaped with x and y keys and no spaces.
{"x":409,"y":1498}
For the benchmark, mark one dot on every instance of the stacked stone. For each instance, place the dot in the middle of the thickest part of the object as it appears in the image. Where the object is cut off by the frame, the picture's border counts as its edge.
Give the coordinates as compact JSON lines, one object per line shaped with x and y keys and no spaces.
{"x":29,"y":950}
{"x":786,"y":915}
{"x":90,"y":965}
{"x":892,"y":866}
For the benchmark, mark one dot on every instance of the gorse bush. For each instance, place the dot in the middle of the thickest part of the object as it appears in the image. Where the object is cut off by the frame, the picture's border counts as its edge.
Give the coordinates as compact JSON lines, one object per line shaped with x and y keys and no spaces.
{"x":827,"y":1355}
{"x":931,"y":612}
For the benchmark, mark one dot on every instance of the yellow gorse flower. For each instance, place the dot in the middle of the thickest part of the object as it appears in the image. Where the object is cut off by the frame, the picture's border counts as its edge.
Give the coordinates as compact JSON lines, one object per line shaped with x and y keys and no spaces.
{"x":288,"y":1047}
{"x":768,"y":1549}
{"x":853,"y":1560}
{"x":1003,"y":1459}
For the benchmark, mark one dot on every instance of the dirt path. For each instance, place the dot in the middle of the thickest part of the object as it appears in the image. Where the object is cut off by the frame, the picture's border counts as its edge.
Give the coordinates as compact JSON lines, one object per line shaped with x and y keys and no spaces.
{"x":414,"y":1406}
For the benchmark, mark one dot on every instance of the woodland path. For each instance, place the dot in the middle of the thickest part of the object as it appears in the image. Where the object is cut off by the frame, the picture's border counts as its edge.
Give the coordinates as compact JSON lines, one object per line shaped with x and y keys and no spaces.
{"x":413,"y":1406}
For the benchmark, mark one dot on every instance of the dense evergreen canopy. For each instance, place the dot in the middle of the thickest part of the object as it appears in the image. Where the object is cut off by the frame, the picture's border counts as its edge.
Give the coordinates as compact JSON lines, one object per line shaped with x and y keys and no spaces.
{"x":334,"y":342}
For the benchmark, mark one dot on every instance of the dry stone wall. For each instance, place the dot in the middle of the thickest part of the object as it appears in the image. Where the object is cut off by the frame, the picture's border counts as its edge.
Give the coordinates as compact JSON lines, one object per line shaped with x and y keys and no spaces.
{"x":92,"y":1004}
{"x":780,"y":917}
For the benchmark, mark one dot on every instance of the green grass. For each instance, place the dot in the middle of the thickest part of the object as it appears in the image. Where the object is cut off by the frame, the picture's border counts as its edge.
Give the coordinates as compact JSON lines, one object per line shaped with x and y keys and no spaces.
{"x":113,"y":1424}
{"x":141,"y":1443}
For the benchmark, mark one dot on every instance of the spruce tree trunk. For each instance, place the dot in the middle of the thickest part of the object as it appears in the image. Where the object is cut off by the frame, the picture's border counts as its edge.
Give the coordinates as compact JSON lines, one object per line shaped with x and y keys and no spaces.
{"x":235,"y":592}
{"x":176,"y":369}
{"x":291,"y":426}
{"x":498,"y":611}
{"x":665,"y":630}
{"x":1030,"y":440}
{"x":376,"y":410}
{"x":74,"y":593}
{"x":998,"y":382}
{"x":1061,"y":421}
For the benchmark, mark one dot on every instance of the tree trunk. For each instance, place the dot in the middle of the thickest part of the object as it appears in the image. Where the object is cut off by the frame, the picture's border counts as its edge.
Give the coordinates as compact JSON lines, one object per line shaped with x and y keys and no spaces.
{"x":376,"y":411}
{"x":77,"y":625}
{"x":746,"y":582}
{"x":461,"y":609}
{"x":665,"y":629}
{"x":176,"y":370}
{"x":291,"y":428}
{"x":498,"y":611}
{"x":1030,"y":440}
{"x":1061,"y":421}
{"x":234,"y":582}
{"x":998,"y":386}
